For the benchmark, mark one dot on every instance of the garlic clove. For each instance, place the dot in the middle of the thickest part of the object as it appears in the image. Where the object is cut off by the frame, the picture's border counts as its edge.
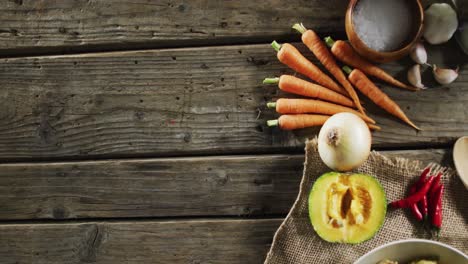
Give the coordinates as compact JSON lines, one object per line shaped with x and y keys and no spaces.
{"x":440,"y":23}
{"x":419,"y":54}
{"x":414,"y":76}
{"x":444,"y":76}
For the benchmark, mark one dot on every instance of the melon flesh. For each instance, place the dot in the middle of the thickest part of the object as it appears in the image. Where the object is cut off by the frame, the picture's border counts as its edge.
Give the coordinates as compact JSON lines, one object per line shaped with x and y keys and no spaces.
{"x":347,"y":208}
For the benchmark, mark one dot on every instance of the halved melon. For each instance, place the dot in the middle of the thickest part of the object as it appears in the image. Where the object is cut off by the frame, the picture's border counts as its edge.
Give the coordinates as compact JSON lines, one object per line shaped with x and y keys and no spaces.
{"x":347,"y":208}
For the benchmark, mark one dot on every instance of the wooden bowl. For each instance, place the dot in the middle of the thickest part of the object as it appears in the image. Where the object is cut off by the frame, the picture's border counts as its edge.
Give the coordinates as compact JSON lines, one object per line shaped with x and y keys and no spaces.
{"x":384,"y":56}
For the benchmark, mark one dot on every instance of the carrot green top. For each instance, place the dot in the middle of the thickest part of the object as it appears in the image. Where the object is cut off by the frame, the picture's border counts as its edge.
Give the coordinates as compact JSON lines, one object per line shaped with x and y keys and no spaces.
{"x":271,"y":123}
{"x":347,"y":69}
{"x":276,"y":45}
{"x":329,"y":41}
{"x":299,"y":27}
{"x":271,"y":80}
{"x":271,"y":105}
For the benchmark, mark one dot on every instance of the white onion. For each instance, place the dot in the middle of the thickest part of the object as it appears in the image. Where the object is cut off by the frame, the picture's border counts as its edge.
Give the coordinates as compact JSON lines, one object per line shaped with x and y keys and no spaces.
{"x":344,"y":142}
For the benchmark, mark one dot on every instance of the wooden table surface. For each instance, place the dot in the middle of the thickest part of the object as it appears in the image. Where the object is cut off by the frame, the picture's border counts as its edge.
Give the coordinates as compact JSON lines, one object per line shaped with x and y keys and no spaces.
{"x":134,"y":131}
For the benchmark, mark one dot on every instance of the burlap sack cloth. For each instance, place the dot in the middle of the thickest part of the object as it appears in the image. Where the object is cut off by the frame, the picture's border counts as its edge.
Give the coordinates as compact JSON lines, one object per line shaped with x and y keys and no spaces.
{"x":296,"y":241}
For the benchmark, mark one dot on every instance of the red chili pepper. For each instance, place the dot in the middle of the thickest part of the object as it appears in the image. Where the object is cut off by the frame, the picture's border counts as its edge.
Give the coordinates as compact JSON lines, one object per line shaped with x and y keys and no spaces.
{"x":435,"y":184}
{"x":431,"y":193}
{"x":416,"y":213}
{"x":436,"y":218}
{"x":423,"y":176}
{"x":414,"y":198}
{"x":414,"y":208}
{"x":423,"y":203}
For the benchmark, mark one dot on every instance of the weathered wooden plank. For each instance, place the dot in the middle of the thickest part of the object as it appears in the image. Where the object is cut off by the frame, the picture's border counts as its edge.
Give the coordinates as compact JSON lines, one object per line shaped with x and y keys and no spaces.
{"x":237,"y":185}
{"x":184,"y":102}
{"x":42,"y":25}
{"x":191,"y":241}
{"x":32,"y":25}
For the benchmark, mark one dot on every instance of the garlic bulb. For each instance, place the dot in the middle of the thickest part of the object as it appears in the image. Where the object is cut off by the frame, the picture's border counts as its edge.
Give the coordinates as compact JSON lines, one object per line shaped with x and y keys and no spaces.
{"x":419,"y":54}
{"x":444,"y":76}
{"x":414,"y":76}
{"x":440,"y":22}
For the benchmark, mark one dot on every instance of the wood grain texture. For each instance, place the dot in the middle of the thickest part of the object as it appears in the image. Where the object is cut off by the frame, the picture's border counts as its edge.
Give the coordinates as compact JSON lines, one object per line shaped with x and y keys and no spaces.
{"x":237,"y":185}
{"x":185,"y":102}
{"x":43,"y":25}
{"x":195,"y":241}
{"x":33,"y":25}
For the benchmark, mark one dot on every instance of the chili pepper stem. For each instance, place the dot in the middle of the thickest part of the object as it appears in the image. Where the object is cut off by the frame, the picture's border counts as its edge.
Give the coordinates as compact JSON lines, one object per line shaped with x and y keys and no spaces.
{"x":271,"y":80}
{"x":435,"y":232}
{"x":329,"y":41}
{"x":276,"y":45}
{"x":271,"y":123}
{"x":299,"y":27}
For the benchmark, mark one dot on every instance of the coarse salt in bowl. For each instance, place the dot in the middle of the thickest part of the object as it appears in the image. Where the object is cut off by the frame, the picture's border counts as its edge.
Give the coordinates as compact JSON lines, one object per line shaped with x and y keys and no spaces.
{"x":382,"y":30}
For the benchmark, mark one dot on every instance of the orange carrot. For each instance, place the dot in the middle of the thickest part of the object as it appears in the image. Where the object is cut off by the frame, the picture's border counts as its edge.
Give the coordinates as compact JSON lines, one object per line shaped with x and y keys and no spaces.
{"x":292,"y":84}
{"x":368,"y":88}
{"x":304,"y":106}
{"x":320,"y":50}
{"x":290,"y":56}
{"x":291,"y":122}
{"x":345,"y":53}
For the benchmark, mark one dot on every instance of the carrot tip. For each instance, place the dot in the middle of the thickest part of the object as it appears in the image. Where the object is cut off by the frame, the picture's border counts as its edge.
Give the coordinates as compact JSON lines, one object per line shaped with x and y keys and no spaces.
{"x":271,"y":105}
{"x":271,"y":80}
{"x":299,"y":27}
{"x":370,"y":120}
{"x":271,"y":123}
{"x":276,"y":45}
{"x":374,"y":127}
{"x":414,"y":89}
{"x":407,"y":121}
{"x":329,"y":41}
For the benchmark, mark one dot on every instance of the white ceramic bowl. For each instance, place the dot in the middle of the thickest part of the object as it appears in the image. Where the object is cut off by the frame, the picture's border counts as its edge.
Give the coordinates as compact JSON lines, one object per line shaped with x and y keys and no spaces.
{"x":404,"y":251}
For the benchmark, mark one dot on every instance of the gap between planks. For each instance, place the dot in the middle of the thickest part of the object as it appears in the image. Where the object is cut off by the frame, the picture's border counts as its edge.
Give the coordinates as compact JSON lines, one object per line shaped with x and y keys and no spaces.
{"x":209,"y":154}
{"x":143,"y":46}
{"x":168,"y":219}
{"x":161,"y":45}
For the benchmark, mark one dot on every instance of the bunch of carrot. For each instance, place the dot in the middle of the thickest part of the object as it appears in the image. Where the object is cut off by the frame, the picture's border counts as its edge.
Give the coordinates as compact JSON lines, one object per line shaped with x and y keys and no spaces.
{"x":425,"y":199}
{"x":341,"y":96}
